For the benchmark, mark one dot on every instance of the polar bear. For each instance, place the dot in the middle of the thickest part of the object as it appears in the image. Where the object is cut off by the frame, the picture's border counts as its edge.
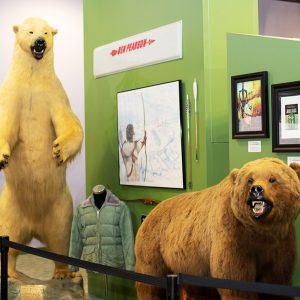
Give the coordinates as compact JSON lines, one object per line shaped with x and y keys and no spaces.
{"x":39,"y":135}
{"x":242,"y":228}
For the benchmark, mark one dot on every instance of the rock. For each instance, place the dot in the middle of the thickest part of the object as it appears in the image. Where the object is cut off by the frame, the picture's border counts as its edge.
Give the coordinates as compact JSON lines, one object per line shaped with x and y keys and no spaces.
{"x":28,"y":288}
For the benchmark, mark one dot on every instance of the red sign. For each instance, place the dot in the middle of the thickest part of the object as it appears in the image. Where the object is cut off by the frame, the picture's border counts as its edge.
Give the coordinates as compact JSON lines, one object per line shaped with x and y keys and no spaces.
{"x":143,"y":49}
{"x":132,"y":46}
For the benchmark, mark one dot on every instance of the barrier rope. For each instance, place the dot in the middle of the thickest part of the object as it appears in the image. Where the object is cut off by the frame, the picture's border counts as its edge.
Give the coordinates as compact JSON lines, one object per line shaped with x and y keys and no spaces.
{"x":179,"y":279}
{"x":247,"y":286}
{"x":156,"y":281}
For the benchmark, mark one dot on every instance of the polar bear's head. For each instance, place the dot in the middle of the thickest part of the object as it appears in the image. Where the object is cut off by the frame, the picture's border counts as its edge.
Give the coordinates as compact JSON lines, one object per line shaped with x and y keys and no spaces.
{"x":35,"y":37}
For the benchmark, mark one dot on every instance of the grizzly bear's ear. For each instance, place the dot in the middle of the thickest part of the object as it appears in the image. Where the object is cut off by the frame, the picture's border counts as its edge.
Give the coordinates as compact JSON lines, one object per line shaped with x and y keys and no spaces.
{"x":16,"y":28}
{"x":296,"y":168}
{"x":233,"y":174}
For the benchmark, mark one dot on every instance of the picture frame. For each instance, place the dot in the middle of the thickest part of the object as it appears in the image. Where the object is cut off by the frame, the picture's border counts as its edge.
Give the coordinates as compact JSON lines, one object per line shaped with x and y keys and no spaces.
{"x":150,"y":137}
{"x":249,"y":99}
{"x":285,"y":121}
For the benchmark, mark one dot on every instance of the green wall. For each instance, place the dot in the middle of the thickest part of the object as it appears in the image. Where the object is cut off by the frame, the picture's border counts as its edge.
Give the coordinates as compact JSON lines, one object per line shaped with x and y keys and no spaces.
{"x":105,"y":22}
{"x":205,"y":25}
{"x":249,"y":54}
{"x":220,"y":17}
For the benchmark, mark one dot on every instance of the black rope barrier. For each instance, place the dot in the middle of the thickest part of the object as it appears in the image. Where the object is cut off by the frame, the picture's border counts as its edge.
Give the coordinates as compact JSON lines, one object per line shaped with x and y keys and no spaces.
{"x":171,"y":282}
{"x":247,"y":286}
{"x":156,"y":281}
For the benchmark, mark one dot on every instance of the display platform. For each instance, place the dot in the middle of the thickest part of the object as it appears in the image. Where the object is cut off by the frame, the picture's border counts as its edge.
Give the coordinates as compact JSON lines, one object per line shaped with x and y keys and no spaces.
{"x":36,"y":284}
{"x":34,"y":289}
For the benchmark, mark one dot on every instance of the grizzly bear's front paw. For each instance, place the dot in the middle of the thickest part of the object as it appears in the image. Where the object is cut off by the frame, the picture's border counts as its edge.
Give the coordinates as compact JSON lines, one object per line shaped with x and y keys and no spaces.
{"x":4,"y":154}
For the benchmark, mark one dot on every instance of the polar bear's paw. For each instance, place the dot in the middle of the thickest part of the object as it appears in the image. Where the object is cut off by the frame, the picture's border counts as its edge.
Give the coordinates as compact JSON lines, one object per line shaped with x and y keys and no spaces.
{"x":57,"y":154}
{"x":66,"y":147}
{"x":3,"y":161}
{"x":64,"y":273}
{"x":4,"y":154}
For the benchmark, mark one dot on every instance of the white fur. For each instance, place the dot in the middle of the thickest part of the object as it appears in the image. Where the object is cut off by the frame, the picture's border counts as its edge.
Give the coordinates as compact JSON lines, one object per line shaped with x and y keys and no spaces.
{"x":36,"y":124}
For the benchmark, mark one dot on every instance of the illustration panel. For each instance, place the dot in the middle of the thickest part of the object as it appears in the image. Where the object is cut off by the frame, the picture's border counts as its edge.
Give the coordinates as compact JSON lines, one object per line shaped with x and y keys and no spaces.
{"x":285,"y":122}
{"x":150,"y":136}
{"x":249,"y":105}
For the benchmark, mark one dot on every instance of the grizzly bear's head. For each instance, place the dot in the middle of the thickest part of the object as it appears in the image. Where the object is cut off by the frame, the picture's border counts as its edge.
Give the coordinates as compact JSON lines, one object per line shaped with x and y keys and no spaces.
{"x":266,"y":192}
{"x":35,"y":37}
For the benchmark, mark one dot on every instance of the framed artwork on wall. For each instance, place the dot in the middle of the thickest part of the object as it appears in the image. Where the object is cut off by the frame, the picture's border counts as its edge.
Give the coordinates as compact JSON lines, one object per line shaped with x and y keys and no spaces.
{"x":249,"y":98}
{"x":285,"y":122}
{"x":150,"y":136}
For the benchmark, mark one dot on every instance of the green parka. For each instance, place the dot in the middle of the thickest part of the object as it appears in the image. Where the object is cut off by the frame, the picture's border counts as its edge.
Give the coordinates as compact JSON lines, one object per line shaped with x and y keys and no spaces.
{"x":103,"y":235}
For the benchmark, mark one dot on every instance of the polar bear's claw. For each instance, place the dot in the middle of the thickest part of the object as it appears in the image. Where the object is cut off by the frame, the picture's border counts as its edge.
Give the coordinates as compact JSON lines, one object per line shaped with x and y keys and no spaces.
{"x":60,"y":150}
{"x":4,"y":161}
{"x":56,"y":154}
{"x":4,"y":153}
{"x":60,"y":162}
{"x":62,"y":274}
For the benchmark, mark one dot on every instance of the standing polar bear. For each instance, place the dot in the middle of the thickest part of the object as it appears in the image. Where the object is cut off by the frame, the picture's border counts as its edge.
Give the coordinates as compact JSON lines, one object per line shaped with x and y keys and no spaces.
{"x":39,"y":135}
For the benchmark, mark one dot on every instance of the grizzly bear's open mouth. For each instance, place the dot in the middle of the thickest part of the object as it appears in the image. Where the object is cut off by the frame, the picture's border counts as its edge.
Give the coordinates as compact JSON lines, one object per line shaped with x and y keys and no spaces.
{"x":38,"y":49}
{"x":260,"y":208}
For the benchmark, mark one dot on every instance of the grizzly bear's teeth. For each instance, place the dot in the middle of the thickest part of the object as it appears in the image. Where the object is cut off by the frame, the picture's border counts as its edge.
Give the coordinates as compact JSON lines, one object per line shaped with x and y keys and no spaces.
{"x":258,"y":206}
{"x":257,"y":202}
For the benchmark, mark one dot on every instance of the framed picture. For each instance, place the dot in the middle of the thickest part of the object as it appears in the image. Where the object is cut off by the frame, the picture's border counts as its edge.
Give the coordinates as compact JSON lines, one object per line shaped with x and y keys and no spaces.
{"x":285,"y":110}
{"x":249,"y":97}
{"x":150,"y":136}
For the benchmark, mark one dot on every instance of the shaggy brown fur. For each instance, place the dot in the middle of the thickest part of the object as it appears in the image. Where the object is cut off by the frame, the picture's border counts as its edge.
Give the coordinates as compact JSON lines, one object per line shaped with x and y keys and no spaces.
{"x":216,"y":233}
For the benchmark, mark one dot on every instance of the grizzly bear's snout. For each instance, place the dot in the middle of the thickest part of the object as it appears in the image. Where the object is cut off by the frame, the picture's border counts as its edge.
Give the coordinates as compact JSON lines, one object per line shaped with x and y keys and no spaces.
{"x":259,"y":205}
{"x":256,"y":191}
{"x":39,"y":47}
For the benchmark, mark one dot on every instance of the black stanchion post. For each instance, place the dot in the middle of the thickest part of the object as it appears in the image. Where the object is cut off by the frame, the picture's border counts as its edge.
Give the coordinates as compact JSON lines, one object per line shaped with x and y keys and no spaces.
{"x":172,"y":287}
{"x":4,"y":264}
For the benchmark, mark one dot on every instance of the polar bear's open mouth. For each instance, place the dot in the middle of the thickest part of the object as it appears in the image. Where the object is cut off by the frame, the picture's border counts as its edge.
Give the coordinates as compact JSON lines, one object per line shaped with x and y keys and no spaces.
{"x":38,"y":49}
{"x":260,"y":208}
{"x":37,"y":54}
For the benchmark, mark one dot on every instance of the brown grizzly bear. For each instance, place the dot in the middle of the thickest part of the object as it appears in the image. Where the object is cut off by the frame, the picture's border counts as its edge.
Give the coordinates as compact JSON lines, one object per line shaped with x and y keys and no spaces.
{"x":242,"y":229}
